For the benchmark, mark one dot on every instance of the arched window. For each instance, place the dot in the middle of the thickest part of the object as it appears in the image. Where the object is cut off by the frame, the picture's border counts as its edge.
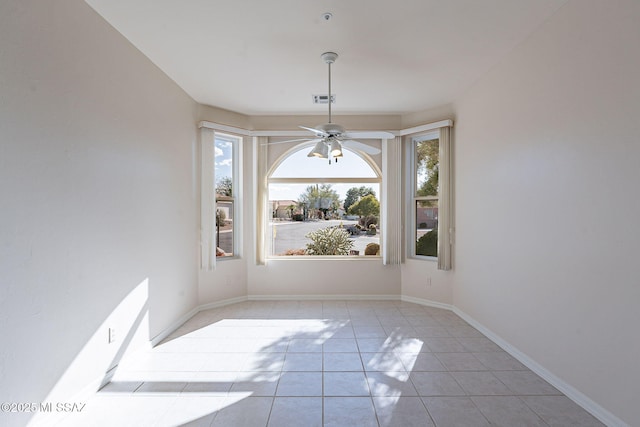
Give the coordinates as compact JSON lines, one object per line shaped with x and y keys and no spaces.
{"x":317,"y":208}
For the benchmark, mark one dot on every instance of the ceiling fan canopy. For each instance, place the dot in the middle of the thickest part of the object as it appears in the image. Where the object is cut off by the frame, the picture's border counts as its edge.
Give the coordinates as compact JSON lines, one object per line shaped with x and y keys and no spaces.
{"x":331,"y":137}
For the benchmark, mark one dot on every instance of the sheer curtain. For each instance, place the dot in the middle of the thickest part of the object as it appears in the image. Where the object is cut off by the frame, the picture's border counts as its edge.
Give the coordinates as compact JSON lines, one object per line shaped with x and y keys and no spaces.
{"x":392,"y":201}
{"x":260,"y":149}
{"x":207,"y":200}
{"x":445,"y":208}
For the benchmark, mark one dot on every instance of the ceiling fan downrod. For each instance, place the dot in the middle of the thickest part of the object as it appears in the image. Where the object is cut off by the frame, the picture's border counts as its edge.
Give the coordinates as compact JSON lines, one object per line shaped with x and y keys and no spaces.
{"x":329,"y":58}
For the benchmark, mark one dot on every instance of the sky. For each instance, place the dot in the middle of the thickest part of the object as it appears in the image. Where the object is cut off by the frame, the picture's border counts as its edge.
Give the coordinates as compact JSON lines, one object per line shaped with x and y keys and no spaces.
{"x":223,"y":158}
{"x":299,"y":165}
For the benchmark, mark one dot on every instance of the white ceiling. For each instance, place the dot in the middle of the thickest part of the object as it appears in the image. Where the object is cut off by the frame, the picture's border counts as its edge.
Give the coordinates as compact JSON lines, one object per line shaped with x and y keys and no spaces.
{"x":262,"y":57}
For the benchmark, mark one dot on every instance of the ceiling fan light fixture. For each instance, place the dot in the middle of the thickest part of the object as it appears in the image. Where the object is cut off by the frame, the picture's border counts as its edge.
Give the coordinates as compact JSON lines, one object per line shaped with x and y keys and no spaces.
{"x":336,"y":148}
{"x":320,"y":150}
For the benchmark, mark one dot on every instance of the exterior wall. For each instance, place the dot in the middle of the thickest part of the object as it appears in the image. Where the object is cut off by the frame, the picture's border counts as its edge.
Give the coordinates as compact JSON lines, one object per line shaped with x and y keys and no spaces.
{"x":556,"y":124}
{"x":98,"y":213}
{"x":428,"y":216}
{"x":281,"y":208}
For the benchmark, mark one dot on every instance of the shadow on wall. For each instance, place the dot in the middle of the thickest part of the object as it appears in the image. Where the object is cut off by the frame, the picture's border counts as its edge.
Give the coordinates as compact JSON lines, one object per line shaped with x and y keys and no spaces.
{"x":126,"y":329}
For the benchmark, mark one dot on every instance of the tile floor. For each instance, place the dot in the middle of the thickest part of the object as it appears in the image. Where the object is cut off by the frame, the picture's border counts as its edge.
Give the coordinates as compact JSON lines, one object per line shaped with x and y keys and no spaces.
{"x":327,"y":363}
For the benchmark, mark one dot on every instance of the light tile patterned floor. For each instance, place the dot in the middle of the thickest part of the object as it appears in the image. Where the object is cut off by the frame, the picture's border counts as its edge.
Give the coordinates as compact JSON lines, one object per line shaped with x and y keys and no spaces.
{"x":327,"y":363}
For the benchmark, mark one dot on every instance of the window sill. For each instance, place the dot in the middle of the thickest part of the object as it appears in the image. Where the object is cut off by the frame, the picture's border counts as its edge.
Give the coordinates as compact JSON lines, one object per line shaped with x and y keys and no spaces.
{"x":314,"y":258}
{"x":424,"y":258}
{"x":227,"y":257}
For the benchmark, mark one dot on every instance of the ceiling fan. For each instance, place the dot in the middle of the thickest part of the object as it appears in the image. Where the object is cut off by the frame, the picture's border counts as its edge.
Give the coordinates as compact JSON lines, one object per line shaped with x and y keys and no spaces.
{"x":331,"y":137}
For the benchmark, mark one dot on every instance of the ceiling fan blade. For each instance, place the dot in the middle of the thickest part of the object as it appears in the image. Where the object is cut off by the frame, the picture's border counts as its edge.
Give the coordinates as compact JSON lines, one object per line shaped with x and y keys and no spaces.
{"x":370,"y":135}
{"x":293,"y":140}
{"x":316,"y":131}
{"x":350,"y":143}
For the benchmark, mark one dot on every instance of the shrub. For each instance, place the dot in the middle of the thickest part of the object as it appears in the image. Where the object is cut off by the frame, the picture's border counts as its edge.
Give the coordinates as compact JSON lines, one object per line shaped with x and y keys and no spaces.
{"x":372,"y":231}
{"x":428,"y":244}
{"x":366,"y":221}
{"x":329,"y":241}
{"x":422,"y":225}
{"x":372,"y":249}
{"x":298,"y":217}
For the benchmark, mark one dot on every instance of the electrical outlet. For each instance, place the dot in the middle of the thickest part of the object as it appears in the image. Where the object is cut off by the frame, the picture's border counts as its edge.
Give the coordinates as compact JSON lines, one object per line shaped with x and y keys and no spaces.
{"x":112,"y":335}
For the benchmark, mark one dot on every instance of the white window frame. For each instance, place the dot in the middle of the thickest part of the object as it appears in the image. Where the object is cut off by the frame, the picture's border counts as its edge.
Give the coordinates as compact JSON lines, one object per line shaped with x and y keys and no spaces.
{"x":235,"y":198}
{"x":412,"y":179}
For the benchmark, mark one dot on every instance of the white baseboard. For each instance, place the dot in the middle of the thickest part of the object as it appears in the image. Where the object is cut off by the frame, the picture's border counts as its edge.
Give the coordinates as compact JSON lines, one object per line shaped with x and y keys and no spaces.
{"x":173,"y":326}
{"x":180,"y":321}
{"x":221,"y":303}
{"x":426,"y":302}
{"x":589,"y":405}
{"x":372,"y":297}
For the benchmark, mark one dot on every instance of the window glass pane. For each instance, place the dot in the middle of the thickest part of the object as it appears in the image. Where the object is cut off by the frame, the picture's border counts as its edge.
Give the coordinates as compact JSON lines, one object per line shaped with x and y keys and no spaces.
{"x":427,"y":167}
{"x":300,"y":209}
{"x":427,"y":227}
{"x":224,"y":165}
{"x":225,"y":192}
{"x":298,"y":165}
{"x":224,"y":226}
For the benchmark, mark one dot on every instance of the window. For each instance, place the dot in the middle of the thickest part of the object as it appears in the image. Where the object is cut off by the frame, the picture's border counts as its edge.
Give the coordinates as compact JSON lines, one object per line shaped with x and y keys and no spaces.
{"x":426,"y":187}
{"x":430,"y":190}
{"x":317,"y":208}
{"x":225,"y":154}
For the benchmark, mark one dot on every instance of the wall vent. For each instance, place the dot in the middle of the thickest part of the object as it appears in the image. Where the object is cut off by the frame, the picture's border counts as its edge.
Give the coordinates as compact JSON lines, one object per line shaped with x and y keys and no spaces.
{"x":323,"y":99}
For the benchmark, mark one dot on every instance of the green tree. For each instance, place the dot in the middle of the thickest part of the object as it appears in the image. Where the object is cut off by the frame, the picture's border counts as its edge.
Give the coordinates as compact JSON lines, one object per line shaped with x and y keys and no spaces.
{"x":356,"y":193}
{"x":366,"y":206}
{"x":320,"y":198}
{"x":224,"y":186}
{"x":428,"y":165}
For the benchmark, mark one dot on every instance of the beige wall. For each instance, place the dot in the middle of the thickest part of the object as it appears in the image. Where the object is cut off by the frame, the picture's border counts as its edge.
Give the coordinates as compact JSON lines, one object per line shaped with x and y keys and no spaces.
{"x":367,"y":278}
{"x":428,"y":116}
{"x":421,"y":279}
{"x":547,"y":148}
{"x":98,"y":217}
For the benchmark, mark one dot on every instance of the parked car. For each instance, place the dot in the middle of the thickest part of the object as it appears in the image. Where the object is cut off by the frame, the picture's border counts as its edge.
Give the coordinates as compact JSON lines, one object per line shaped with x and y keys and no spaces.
{"x":352,"y":229}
